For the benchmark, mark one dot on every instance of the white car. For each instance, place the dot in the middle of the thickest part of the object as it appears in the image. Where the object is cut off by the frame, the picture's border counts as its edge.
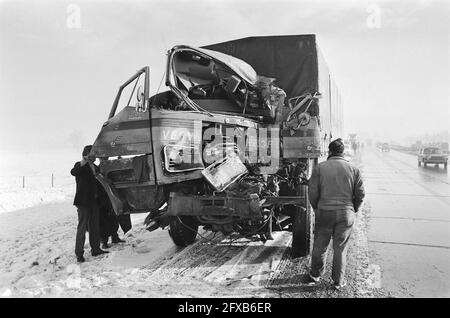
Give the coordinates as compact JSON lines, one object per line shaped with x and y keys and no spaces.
{"x":432,"y":155}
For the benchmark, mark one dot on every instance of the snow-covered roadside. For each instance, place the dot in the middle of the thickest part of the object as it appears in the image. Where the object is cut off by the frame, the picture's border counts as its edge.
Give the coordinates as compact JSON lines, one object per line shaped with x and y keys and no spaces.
{"x":38,"y":224}
{"x":31,"y":178}
{"x":18,"y":198}
{"x":38,"y":259}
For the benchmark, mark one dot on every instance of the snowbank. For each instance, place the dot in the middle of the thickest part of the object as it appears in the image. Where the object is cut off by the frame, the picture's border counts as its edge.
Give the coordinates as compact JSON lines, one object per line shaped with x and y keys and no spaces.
{"x":16,"y":199}
{"x":31,"y":178}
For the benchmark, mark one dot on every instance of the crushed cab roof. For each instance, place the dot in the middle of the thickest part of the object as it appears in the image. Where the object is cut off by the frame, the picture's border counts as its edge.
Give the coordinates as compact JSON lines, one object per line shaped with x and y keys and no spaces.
{"x":241,"y":68}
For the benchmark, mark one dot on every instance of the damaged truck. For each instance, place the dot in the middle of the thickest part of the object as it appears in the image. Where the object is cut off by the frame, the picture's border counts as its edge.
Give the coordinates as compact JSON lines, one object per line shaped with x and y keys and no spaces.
{"x":229,"y":146}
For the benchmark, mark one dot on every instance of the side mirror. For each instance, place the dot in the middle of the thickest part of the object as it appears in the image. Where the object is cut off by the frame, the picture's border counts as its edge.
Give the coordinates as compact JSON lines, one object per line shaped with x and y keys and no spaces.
{"x":140,"y":93}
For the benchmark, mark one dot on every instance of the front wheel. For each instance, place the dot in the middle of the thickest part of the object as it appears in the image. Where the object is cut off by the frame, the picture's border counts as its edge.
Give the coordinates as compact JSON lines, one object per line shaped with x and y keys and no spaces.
{"x":419,"y":163}
{"x":445,"y":165}
{"x":183,"y":230}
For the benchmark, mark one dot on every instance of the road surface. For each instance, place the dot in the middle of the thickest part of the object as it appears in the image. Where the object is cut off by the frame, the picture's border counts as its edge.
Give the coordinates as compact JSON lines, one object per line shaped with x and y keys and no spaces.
{"x":409,"y":236}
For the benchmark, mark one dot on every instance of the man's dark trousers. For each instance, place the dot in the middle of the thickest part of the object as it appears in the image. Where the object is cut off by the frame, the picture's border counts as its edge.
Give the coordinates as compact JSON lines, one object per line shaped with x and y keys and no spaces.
{"x":337,"y":225}
{"x":108,"y":223}
{"x":88,"y":220}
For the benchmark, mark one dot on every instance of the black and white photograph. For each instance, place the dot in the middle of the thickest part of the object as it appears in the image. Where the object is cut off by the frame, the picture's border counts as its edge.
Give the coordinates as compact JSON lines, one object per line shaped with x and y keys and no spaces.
{"x":243,"y":150}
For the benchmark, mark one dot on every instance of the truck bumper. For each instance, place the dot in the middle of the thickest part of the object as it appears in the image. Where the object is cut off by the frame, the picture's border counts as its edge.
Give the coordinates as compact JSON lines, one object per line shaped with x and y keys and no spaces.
{"x":211,"y":205}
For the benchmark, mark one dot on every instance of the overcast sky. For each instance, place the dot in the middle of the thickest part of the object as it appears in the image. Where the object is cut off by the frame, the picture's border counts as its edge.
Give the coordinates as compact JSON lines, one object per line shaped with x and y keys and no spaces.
{"x":59,"y":78}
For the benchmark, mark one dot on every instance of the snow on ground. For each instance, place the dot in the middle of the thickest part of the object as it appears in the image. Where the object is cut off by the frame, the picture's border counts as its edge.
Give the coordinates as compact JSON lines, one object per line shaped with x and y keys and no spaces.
{"x":37,"y":240}
{"x":37,"y":248}
{"x":15,"y":199}
{"x":38,"y":261}
{"x":26,"y":178}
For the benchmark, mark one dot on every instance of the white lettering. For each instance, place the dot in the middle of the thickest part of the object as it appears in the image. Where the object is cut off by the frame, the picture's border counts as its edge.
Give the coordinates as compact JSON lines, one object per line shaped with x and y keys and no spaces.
{"x":186,"y":307}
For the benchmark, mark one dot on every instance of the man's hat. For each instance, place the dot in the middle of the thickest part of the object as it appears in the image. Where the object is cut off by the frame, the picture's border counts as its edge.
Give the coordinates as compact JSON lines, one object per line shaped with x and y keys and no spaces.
{"x":336,"y":146}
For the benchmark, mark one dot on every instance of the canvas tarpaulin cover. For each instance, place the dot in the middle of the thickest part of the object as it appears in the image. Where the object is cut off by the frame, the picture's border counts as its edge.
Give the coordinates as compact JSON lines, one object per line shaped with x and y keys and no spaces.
{"x":291,"y":60}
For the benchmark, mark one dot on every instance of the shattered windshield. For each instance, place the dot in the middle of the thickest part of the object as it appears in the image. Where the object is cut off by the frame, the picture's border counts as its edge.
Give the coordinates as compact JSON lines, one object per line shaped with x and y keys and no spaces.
{"x":201,"y":77}
{"x":220,"y":83}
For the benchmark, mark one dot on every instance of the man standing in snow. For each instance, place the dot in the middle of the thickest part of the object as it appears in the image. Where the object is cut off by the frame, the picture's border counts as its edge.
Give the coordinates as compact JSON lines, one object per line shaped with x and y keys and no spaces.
{"x":336,"y":193}
{"x":86,"y":203}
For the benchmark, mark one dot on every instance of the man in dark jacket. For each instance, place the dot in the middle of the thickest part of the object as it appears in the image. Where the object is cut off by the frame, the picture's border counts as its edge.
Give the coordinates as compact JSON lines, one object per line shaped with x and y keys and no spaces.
{"x":86,"y":203}
{"x":336,"y":192}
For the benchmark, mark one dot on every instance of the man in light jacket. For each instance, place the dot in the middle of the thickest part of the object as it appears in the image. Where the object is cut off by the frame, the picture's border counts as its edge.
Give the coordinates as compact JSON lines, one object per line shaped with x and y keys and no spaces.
{"x":336,"y":192}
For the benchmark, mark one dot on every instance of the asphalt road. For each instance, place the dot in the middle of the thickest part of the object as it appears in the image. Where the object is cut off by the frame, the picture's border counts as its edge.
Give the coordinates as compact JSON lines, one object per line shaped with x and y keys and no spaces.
{"x":409,"y":226}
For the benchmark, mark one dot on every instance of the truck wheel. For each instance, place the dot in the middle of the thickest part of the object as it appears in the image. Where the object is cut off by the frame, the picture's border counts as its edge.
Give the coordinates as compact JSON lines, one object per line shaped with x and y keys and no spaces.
{"x":445,"y":165}
{"x":302,"y":228}
{"x":424,"y":164}
{"x":419,"y":163}
{"x":183,"y":230}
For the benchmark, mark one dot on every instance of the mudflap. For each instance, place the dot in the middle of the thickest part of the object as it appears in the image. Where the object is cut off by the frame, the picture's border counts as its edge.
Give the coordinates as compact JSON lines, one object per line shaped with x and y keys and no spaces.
{"x":157,"y":219}
{"x":302,"y":227}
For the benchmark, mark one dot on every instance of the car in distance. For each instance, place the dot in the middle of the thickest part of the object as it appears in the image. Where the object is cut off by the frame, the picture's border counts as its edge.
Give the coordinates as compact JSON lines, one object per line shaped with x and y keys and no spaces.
{"x":347,"y":150}
{"x":433,"y":155}
{"x":385,"y":147}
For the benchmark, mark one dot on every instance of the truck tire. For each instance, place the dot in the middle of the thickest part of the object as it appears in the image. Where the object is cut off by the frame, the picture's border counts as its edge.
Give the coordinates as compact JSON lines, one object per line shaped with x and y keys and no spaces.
{"x":419,"y":163}
{"x":183,"y":230}
{"x":445,"y":165}
{"x":424,"y":164}
{"x":302,"y":227}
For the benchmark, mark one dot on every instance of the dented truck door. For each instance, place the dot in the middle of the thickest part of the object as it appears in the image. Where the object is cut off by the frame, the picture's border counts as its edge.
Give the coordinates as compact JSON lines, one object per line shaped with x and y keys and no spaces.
{"x":127,"y":130}
{"x":125,"y":149}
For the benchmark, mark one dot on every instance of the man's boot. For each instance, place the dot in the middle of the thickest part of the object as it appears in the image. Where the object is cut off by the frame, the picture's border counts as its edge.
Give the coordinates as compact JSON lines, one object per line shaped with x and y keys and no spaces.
{"x":105,"y":245}
{"x":116,"y":239}
{"x":105,"y":242}
{"x":99,"y":252}
{"x":80,"y":259}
